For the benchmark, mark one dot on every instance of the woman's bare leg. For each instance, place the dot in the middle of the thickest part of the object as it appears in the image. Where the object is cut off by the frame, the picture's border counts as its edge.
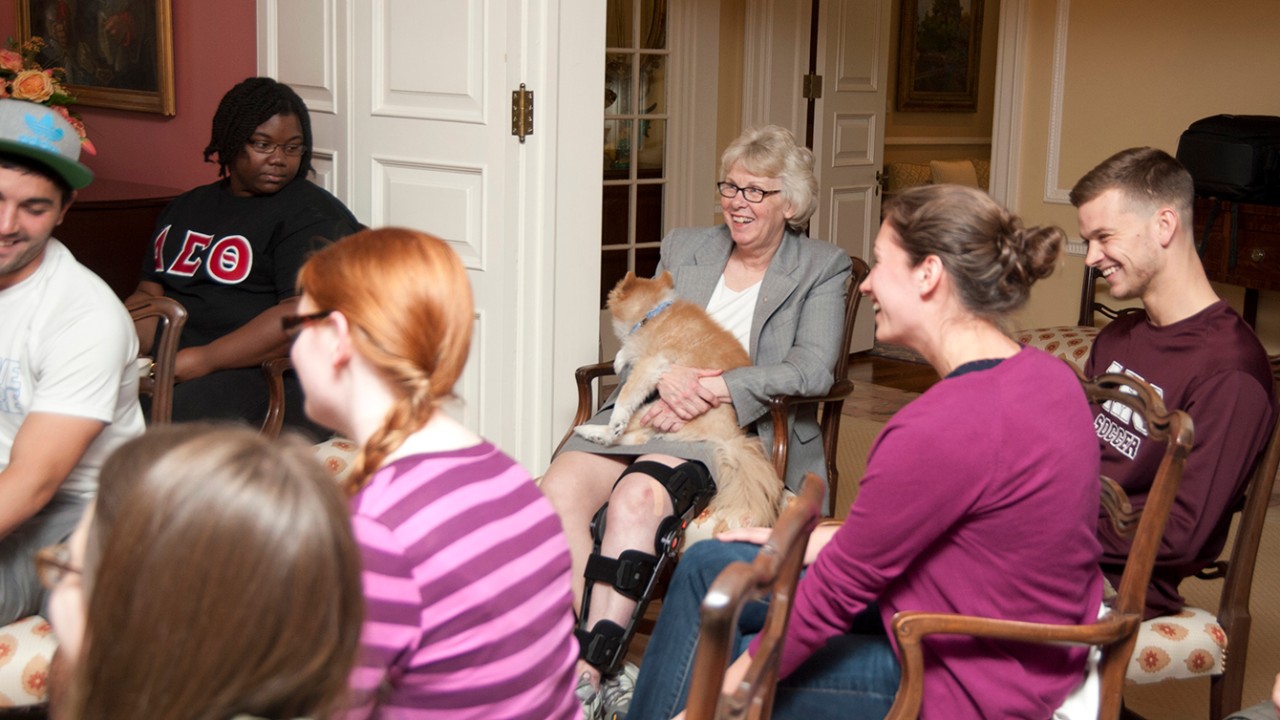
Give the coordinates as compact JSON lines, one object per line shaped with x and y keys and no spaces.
{"x":577,"y":484}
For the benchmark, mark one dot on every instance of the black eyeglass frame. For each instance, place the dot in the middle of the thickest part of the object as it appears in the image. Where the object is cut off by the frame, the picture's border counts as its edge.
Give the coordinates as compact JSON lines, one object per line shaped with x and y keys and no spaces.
{"x":728,"y":190}
{"x":291,"y":325}
{"x":262,"y":147}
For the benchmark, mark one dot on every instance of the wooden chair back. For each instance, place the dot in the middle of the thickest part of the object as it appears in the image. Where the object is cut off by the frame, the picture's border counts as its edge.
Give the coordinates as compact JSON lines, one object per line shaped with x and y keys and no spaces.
{"x":1237,"y":576}
{"x":274,"y":371}
{"x":1089,"y":305}
{"x":774,"y":573}
{"x":157,"y":382}
{"x":830,"y":405}
{"x":1116,"y":632}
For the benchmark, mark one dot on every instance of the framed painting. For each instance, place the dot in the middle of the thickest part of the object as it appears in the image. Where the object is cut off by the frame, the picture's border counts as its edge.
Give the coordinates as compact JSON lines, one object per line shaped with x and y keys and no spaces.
{"x":939,"y":48}
{"x":117,"y":53}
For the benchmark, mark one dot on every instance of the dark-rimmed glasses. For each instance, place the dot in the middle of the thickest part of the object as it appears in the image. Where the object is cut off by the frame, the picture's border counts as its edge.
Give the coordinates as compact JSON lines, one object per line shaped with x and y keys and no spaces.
{"x":293,"y":324}
{"x":53,"y":563}
{"x":750,"y":194}
{"x":262,"y":147}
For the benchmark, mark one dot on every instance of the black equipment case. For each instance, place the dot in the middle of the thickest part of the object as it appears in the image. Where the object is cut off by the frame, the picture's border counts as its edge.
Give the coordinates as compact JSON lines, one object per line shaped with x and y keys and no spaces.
{"x":1234,"y":157}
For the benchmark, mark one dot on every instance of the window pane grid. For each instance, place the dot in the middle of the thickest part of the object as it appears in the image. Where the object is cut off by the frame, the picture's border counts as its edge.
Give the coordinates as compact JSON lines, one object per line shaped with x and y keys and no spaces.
{"x":635,"y":123}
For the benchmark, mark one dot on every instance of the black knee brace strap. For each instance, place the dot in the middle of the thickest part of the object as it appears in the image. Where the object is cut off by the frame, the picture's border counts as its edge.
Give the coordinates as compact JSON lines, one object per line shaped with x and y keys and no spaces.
{"x":634,"y":573}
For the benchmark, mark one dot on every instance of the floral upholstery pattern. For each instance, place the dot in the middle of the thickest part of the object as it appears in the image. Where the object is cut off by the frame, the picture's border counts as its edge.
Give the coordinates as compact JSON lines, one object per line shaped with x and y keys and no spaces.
{"x":337,"y":455}
{"x":1187,"y":645}
{"x":26,"y":647}
{"x":1069,"y":342}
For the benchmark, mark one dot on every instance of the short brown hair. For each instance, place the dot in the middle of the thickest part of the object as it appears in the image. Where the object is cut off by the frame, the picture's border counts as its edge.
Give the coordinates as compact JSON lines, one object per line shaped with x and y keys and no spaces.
{"x":991,"y":257}
{"x":1144,"y":175}
{"x":408,"y":300}
{"x":228,"y":581}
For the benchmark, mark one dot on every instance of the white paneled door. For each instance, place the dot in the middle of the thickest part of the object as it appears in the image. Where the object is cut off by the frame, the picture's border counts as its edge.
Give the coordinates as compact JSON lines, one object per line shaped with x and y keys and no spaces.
{"x":415,"y":114}
{"x":853,"y":42}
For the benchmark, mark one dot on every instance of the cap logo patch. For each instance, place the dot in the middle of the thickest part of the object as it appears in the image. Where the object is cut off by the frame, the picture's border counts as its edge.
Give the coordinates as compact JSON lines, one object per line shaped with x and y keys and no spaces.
{"x":43,"y":133}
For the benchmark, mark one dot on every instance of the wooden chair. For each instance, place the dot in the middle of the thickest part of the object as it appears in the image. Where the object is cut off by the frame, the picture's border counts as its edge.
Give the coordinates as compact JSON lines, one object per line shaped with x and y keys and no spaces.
{"x":1233,"y":618}
{"x":774,"y":573}
{"x":156,"y":379}
{"x":829,"y":405}
{"x":1090,"y":308}
{"x":274,"y":371}
{"x":1117,"y":631}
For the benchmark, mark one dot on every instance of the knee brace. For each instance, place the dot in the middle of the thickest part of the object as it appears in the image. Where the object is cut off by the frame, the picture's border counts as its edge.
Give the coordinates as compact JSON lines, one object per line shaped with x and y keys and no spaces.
{"x":634,"y":574}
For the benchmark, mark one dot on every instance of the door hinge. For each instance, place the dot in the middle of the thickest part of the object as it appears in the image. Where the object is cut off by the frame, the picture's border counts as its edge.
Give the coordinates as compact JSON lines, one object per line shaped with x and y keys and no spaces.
{"x":522,"y":112}
{"x":812,"y":87}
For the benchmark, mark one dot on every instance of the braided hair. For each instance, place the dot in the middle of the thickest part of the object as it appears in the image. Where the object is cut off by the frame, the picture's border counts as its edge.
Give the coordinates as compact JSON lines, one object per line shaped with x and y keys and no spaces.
{"x":246,"y":106}
{"x":408,"y":300}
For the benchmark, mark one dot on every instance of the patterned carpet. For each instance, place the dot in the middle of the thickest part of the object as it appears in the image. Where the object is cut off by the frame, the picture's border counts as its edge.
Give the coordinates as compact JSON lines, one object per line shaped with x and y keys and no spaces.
{"x":866,"y":411}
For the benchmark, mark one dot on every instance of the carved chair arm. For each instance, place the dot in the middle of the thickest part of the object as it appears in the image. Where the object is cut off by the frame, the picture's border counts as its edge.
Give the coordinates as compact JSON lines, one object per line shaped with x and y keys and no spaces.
{"x":583,"y":377}
{"x":910,"y":628}
{"x":780,"y":408}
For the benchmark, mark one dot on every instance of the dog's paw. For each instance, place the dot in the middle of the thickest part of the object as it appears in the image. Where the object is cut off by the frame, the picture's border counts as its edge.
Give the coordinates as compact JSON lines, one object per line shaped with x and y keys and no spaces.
{"x":616,"y":428}
{"x":598,"y":434}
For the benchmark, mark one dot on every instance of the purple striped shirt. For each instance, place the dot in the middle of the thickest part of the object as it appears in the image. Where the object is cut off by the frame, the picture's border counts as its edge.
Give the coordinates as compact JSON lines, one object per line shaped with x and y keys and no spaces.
{"x":468,"y":603}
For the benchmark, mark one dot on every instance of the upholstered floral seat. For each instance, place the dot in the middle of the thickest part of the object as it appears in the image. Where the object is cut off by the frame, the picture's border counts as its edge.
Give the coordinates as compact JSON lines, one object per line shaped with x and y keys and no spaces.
{"x":337,"y":455}
{"x":1069,"y":342}
{"x":1187,"y":645}
{"x":26,"y":648}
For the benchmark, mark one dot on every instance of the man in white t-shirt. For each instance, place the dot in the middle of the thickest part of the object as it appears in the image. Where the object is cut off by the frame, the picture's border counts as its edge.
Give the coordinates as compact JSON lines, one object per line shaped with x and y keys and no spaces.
{"x":68,"y":383}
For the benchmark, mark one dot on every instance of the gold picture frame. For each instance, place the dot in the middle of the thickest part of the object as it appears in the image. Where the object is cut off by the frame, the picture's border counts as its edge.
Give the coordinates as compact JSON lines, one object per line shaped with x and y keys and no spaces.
{"x":939,"y":51}
{"x":117,"y":53}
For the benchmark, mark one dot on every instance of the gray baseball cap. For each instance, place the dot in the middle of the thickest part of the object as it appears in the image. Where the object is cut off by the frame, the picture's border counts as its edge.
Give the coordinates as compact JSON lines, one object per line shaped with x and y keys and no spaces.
{"x":40,"y":133}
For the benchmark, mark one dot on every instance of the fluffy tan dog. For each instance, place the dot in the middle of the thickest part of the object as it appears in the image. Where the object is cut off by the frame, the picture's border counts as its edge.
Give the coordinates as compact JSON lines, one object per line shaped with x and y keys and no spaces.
{"x":658,"y":331}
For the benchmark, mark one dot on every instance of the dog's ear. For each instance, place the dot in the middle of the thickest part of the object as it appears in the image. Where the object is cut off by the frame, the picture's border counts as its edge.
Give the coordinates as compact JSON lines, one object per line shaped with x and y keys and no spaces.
{"x":666,"y":279}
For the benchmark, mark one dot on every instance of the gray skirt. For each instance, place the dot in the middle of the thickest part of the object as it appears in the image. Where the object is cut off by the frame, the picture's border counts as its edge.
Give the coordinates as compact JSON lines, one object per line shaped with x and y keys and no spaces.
{"x":703,"y":452}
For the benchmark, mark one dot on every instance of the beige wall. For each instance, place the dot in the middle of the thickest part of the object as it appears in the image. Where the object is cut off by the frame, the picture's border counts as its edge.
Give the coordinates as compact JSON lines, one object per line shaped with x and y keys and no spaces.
{"x":918,"y":125}
{"x":1137,"y":73}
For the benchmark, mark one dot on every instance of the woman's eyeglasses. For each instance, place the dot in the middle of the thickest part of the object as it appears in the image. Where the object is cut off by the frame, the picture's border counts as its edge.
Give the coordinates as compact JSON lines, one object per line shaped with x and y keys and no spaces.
{"x":53,"y":563}
{"x":263,"y":147}
{"x":750,"y":194}
{"x":292,"y":325}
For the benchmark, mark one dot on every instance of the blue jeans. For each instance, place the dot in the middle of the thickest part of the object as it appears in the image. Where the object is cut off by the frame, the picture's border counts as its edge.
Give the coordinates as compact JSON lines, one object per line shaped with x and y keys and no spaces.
{"x":854,"y":676}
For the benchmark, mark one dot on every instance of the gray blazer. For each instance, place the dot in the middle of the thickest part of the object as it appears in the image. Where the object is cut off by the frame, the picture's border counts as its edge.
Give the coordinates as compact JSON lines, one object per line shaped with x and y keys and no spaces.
{"x":795,"y":331}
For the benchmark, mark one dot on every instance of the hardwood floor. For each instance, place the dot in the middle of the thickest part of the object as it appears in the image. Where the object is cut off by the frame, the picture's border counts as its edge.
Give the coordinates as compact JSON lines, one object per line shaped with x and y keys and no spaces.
{"x":899,"y":374}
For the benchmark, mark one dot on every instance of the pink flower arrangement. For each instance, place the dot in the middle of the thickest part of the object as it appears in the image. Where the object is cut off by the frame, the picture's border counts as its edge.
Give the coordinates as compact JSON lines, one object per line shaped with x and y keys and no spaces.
{"x":23,"y":78}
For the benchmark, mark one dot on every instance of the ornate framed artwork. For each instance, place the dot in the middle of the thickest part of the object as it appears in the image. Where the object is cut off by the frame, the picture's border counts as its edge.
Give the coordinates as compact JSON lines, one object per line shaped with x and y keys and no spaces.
{"x":117,"y":53}
{"x":939,"y":48}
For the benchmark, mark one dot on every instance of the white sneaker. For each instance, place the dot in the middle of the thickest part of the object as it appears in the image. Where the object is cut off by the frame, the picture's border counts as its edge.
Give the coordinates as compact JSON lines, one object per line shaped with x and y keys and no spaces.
{"x":590,"y":697}
{"x":616,"y":692}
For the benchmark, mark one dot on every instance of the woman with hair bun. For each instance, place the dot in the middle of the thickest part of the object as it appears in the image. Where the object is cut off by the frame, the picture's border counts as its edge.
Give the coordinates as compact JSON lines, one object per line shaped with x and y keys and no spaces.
{"x":980,"y":498}
{"x":466,"y":569}
{"x":214,"y":577}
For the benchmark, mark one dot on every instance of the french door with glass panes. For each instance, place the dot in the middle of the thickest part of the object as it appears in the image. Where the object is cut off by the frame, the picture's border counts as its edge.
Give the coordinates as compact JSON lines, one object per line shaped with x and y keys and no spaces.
{"x":635,"y":139}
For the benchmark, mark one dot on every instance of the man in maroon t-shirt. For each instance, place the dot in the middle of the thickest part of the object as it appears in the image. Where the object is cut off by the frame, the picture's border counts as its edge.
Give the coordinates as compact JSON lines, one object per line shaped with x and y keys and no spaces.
{"x":1135,"y":213}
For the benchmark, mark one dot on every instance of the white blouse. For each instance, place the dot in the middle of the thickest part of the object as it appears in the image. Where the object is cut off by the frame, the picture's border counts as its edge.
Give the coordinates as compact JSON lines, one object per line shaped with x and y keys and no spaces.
{"x":734,"y":310}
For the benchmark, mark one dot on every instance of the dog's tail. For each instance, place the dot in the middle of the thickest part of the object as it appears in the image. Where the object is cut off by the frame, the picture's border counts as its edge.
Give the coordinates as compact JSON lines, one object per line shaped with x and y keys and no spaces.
{"x":747,"y":487}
